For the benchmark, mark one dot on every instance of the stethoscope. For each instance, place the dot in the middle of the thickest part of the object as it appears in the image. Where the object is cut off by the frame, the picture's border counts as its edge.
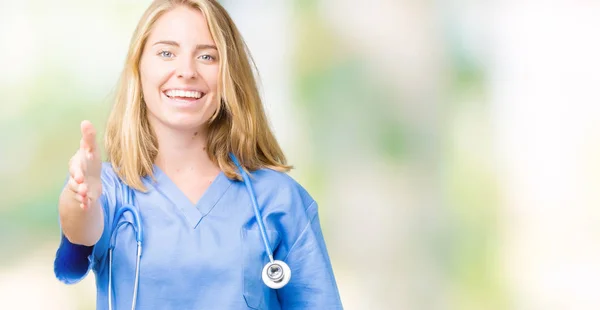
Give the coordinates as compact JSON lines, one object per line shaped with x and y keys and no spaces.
{"x":275,"y":274}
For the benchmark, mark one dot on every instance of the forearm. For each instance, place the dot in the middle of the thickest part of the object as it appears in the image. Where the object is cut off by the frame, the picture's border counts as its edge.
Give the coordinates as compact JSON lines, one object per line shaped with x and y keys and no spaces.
{"x":80,"y":226}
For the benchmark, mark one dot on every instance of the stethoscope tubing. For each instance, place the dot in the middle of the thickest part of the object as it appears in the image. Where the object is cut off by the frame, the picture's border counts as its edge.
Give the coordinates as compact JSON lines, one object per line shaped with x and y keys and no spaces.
{"x":257,"y":214}
{"x":137,"y":227}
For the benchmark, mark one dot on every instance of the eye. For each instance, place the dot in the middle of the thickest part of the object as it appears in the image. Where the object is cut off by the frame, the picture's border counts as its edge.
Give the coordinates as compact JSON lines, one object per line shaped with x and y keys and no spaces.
{"x":165,"y":54}
{"x":206,"y":57}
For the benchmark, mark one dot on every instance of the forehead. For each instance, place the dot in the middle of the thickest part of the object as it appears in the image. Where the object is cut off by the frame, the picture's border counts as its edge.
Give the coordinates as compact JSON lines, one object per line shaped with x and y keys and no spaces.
{"x":183,"y":25}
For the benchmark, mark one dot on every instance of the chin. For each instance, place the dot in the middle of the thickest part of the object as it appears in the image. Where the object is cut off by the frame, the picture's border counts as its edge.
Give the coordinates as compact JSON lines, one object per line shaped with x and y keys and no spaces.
{"x":186,"y":122}
{"x":179,"y":119}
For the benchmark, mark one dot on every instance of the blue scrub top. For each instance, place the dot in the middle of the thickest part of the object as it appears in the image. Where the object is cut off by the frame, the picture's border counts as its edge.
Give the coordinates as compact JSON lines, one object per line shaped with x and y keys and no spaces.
{"x":208,"y":255}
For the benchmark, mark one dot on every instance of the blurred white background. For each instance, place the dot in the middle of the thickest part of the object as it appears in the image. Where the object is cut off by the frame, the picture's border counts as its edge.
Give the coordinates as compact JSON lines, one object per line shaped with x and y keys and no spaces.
{"x":452,"y":145}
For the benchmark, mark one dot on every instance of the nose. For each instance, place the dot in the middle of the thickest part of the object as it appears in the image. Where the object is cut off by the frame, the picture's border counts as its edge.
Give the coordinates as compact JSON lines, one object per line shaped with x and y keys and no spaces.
{"x":187,"y":70}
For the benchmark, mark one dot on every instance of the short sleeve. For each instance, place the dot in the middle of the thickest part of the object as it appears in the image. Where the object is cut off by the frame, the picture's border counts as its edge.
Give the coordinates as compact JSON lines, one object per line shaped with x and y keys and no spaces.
{"x":73,"y":262}
{"x":293,"y":213}
{"x":313,"y":284}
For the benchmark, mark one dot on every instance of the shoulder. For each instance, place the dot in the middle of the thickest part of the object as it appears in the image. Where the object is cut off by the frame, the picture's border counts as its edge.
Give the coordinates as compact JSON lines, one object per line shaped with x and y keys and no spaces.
{"x":277,"y":187}
{"x":108,"y":172}
{"x":112,"y":185}
{"x":109,"y":176}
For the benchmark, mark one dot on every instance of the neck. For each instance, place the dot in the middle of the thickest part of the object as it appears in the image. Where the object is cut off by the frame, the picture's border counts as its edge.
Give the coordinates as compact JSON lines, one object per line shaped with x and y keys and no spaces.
{"x":183,"y":152}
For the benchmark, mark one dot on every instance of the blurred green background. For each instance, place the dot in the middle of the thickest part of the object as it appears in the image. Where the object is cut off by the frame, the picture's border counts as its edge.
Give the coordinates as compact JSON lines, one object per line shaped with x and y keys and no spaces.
{"x":452,"y":145}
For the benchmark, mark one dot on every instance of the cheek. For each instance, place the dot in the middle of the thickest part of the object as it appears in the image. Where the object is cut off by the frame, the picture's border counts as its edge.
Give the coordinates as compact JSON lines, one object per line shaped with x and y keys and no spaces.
{"x":211,"y":77}
{"x":211,"y":104}
{"x":152,"y":76}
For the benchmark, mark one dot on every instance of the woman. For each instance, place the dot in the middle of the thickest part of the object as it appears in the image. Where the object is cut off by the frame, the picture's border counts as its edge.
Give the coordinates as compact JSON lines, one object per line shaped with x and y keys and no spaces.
{"x":187,"y":109}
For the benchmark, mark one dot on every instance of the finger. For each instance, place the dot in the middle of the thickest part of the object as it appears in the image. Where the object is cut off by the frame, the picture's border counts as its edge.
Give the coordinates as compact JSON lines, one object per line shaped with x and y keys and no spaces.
{"x":85,"y":151}
{"x":76,"y":170}
{"x":76,"y":173}
{"x":81,"y":160}
{"x":80,"y":198}
{"x":83,"y":190}
{"x":73,"y":164}
{"x":86,"y":203}
{"x":88,"y":136}
{"x":72,"y":185}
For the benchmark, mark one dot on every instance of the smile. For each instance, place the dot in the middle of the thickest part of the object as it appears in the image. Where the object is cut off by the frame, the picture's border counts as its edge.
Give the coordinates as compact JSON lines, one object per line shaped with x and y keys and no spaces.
{"x":180,"y":94}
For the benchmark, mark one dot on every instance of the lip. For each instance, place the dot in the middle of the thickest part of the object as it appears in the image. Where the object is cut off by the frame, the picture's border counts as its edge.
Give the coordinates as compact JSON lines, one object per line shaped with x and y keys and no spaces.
{"x":184,"y":88}
{"x":184,"y":104}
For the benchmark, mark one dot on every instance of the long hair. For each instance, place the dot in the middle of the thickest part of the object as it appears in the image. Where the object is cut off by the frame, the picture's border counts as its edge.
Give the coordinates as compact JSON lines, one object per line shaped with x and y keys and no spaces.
{"x":239,"y":124}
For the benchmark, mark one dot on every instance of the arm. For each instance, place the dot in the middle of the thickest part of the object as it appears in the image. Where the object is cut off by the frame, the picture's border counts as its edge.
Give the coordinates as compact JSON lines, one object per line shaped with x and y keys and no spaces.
{"x":81,"y":211}
{"x":313,"y":284}
{"x":81,"y":216}
{"x":80,"y":226}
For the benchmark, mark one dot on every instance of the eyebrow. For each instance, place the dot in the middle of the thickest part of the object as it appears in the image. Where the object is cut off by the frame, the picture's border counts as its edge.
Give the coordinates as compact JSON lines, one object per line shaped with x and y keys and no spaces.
{"x":198,"y":47}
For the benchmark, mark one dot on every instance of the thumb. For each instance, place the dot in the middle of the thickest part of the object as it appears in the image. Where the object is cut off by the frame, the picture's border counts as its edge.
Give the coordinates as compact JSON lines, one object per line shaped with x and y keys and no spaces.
{"x":88,"y":136}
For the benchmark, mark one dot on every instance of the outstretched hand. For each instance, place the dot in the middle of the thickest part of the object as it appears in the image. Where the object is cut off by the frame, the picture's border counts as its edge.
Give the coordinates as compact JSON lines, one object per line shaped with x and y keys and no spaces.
{"x":85,"y":168}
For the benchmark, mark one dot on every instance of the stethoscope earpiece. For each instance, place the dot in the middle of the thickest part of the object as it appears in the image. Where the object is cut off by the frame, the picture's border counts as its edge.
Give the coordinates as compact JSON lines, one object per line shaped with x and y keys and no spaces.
{"x":276,"y":274}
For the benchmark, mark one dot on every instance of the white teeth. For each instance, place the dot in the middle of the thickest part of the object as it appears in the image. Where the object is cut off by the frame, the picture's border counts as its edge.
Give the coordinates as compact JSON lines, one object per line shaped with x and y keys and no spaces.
{"x":184,"y":93}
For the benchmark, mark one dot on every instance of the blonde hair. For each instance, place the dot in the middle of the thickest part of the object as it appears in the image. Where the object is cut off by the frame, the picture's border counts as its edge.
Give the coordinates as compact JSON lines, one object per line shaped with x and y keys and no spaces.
{"x":239,"y":124}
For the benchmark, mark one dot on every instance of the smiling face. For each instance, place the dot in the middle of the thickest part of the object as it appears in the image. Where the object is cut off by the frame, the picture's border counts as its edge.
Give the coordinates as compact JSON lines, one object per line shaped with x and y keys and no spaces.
{"x":179,"y":71}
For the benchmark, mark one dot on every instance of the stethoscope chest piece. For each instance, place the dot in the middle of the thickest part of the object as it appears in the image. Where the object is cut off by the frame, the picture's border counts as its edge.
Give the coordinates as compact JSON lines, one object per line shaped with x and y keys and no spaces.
{"x":276,"y":274}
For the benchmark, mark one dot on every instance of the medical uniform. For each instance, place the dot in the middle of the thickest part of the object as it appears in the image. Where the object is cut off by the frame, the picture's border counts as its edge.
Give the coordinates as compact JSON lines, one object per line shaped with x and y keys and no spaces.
{"x":209,"y":254}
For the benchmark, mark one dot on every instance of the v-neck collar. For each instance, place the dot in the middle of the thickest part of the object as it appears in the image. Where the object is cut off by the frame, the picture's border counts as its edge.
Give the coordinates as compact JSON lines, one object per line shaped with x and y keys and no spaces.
{"x":193,"y":212}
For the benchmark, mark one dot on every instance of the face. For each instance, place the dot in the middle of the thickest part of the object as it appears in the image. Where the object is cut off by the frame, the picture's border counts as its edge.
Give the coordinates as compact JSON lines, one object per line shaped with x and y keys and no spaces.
{"x":179,"y":71}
